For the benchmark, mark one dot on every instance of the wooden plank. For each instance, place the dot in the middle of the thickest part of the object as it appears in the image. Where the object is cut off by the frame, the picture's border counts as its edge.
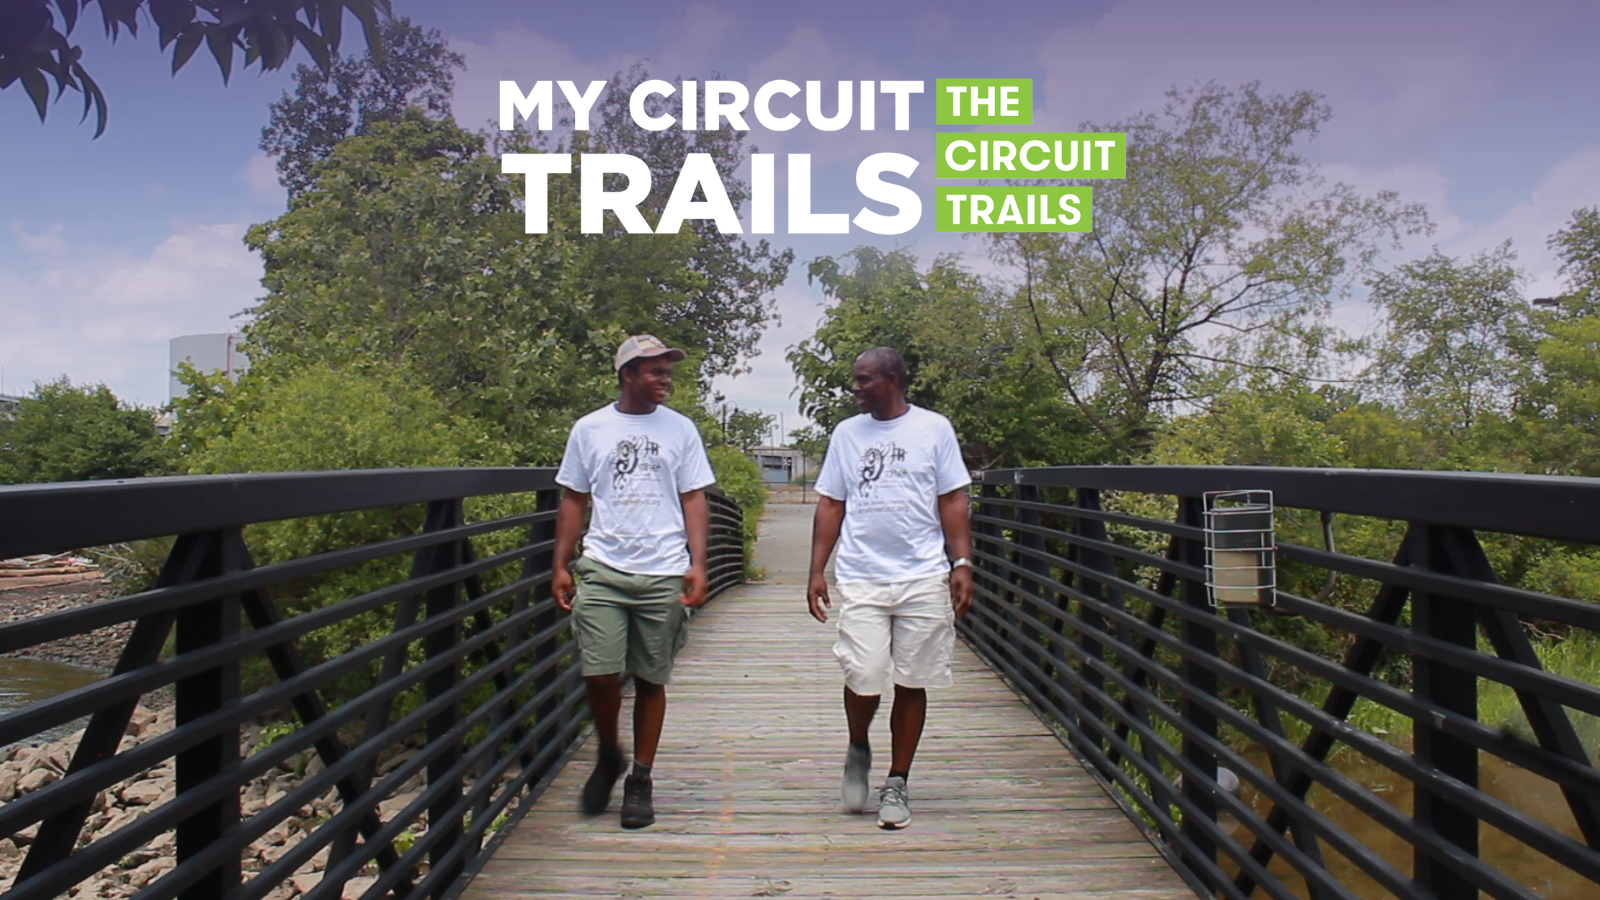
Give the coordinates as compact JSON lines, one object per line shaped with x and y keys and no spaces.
{"x":747,"y":784}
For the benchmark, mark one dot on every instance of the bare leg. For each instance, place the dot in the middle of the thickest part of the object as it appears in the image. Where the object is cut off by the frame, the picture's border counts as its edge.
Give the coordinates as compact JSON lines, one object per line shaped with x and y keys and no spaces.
{"x":605,"y":704}
{"x":858,"y":711}
{"x":906,"y":719}
{"x":649,"y":713}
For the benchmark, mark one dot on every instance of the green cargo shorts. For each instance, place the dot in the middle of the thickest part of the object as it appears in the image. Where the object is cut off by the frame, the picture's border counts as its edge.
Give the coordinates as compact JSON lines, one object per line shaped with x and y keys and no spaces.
{"x":628,"y":622}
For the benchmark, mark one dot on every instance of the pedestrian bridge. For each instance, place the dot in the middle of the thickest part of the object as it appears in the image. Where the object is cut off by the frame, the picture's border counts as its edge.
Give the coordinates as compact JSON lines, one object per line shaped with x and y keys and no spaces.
{"x":1394,"y":722}
{"x":747,"y":783}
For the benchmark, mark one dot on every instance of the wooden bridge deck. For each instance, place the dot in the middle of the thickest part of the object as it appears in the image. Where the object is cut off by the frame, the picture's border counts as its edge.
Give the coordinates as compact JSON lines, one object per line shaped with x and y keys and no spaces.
{"x":747,"y":784}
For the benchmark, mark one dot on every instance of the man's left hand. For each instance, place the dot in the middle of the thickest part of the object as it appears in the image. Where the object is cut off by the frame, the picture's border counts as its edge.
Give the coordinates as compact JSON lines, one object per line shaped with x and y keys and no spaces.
{"x":694,"y":587}
{"x":961,"y":590}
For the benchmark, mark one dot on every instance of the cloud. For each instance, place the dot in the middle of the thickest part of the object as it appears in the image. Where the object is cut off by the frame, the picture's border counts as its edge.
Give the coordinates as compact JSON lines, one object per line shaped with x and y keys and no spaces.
{"x":691,"y":41}
{"x":104,"y":316}
{"x":522,"y":55}
{"x":49,"y":241}
{"x":260,"y":175}
{"x":1396,"y":68}
{"x":1570,"y":184}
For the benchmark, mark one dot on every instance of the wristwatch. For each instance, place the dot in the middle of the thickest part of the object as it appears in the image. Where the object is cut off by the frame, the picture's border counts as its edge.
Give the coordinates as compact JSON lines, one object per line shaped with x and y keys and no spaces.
{"x":960,"y":562}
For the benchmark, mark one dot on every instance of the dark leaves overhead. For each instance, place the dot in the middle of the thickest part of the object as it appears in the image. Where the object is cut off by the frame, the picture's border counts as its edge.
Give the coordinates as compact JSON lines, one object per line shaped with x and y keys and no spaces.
{"x":36,"y":46}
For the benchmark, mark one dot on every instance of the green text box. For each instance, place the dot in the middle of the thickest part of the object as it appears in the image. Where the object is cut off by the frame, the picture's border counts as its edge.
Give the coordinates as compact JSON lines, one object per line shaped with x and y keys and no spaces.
{"x":1032,"y":154}
{"x":1000,"y":101}
{"x":1015,"y":208}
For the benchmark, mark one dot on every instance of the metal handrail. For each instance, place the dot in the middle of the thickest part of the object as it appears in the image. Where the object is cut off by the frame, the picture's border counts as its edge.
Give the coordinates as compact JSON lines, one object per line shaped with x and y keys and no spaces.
{"x":1117,"y":646}
{"x":476,"y":679}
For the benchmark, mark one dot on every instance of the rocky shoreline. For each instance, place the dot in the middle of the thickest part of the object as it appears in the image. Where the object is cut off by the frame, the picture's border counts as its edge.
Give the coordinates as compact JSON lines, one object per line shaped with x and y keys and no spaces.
{"x":34,"y":596}
{"x":24,"y":769}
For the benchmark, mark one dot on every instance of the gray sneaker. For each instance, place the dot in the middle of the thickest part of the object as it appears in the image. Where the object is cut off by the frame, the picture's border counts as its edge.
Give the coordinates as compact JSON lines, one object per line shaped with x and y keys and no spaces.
{"x":894,"y":804}
{"x":854,"y":790}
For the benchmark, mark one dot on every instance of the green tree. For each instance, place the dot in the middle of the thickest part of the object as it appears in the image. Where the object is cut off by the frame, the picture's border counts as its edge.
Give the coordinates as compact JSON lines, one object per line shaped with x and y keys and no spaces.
{"x":1561,"y":406}
{"x":36,"y":44}
{"x":67,"y":432}
{"x":321,"y":417}
{"x":1453,"y":350}
{"x":408,"y":254}
{"x":410,"y":68}
{"x":965,"y":357}
{"x":1259,"y":425}
{"x":742,"y":429}
{"x":709,"y":288}
{"x":1223,"y":230}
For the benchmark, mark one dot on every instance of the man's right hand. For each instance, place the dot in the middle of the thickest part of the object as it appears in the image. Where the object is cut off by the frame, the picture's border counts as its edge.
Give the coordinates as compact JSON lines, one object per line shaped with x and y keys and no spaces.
{"x":561,"y":586}
{"x":817,"y":597}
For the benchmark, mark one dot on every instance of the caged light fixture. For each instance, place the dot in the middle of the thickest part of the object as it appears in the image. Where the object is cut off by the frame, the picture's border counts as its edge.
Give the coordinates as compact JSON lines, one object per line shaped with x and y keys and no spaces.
{"x":1241,"y":552}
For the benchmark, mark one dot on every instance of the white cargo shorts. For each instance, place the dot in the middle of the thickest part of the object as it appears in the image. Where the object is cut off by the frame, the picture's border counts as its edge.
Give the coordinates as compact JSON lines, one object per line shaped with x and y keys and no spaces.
{"x":900,"y":633}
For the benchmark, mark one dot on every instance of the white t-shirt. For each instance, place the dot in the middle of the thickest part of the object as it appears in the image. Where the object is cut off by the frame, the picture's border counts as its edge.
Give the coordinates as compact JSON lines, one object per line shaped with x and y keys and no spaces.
{"x":889,"y":475}
{"x":634,"y":468}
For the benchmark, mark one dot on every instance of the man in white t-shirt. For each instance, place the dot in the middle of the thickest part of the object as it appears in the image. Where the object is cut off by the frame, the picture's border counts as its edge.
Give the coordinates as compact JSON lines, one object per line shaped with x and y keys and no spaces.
{"x":894,"y":484}
{"x":643,"y":564}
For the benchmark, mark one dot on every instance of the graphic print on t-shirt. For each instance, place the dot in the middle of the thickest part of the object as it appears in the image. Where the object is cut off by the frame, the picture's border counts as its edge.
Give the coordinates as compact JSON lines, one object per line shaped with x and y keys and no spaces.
{"x":889,"y":473}
{"x":875,"y":462}
{"x":632,"y":453}
{"x":635,"y":468}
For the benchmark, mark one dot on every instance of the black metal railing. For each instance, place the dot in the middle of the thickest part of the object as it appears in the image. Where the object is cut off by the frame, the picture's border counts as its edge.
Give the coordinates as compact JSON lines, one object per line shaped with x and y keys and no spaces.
{"x":1094,"y":605}
{"x":448,"y":694}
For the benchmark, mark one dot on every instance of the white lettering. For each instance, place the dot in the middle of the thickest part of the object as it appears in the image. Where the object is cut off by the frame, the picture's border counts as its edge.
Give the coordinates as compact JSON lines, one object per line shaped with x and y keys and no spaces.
{"x":897,"y":195}
{"x":594,"y":199}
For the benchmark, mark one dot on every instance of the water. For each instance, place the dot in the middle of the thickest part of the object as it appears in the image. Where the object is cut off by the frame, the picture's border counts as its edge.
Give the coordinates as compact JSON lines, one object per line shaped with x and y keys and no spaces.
{"x":1533,"y":795}
{"x":25,"y":681}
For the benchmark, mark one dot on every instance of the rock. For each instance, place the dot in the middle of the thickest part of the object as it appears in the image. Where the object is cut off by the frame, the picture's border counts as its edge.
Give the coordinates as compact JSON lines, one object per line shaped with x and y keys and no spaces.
{"x":304,"y":883}
{"x":392,"y":806}
{"x":142,"y":719}
{"x":150,"y":871}
{"x":284,"y":891}
{"x":118,"y":819}
{"x":272,"y":853}
{"x":144,"y":793}
{"x":9,"y":852}
{"x":8,"y":784}
{"x":35,"y":779}
{"x":355,"y":887}
{"x":394,"y":762}
{"x":60,"y":755}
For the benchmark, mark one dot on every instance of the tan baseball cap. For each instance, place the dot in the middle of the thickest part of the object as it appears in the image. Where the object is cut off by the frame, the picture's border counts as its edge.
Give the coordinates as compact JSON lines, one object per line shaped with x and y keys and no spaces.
{"x":642,"y":346}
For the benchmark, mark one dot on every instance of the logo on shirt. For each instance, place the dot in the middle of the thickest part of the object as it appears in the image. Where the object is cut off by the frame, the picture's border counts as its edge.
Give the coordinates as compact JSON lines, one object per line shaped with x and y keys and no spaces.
{"x":874,"y":462}
{"x":634,"y":454}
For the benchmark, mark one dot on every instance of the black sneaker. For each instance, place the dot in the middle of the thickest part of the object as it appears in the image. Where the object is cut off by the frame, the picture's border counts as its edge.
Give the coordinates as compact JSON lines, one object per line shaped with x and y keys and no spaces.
{"x":597,"y":790}
{"x":637,"y":810}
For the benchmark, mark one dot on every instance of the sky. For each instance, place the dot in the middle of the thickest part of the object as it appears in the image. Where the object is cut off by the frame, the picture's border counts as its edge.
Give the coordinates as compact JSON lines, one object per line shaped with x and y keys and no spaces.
{"x":1486,"y":113}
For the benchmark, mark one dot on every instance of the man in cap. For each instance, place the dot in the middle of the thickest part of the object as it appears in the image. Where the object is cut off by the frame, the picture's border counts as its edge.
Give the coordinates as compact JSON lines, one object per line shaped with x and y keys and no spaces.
{"x":644,"y":560}
{"x":894,"y":484}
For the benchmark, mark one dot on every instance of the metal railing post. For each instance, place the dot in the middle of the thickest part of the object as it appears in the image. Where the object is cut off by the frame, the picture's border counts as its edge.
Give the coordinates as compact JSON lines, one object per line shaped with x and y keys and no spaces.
{"x":439,"y":602}
{"x":1093,"y":682}
{"x":539,"y":562}
{"x":1203,"y":679}
{"x":201,"y":626}
{"x":1453,"y":621}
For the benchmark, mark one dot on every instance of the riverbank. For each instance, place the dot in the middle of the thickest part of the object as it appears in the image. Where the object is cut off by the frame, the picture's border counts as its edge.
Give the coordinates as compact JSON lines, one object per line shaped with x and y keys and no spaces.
{"x":37,"y":595}
{"x":24,"y":769}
